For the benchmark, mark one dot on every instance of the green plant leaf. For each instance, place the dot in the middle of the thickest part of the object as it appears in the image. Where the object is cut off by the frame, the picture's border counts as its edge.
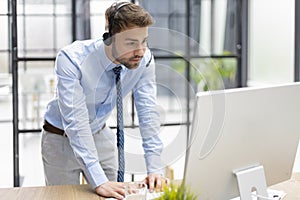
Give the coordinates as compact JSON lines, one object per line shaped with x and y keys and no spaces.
{"x":177,"y":192}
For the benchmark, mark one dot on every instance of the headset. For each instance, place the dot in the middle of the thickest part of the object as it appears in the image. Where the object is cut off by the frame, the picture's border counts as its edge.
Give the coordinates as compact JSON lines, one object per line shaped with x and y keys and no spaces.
{"x":107,"y":36}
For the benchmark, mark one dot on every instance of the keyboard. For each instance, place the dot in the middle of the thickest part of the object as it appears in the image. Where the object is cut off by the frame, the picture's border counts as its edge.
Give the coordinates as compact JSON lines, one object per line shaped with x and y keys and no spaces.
{"x":149,"y":196}
{"x":153,"y":195}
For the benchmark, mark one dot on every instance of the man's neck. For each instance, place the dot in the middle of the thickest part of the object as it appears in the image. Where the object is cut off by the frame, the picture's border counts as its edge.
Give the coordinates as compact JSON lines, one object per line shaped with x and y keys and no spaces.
{"x":108,"y":53}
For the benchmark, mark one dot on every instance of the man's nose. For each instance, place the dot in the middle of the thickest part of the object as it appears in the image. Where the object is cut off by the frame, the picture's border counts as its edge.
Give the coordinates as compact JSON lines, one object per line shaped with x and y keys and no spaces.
{"x":140,"y":50}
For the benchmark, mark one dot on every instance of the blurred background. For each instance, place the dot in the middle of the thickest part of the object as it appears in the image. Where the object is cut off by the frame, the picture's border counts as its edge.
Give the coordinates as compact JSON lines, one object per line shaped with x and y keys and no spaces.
{"x":198,"y":45}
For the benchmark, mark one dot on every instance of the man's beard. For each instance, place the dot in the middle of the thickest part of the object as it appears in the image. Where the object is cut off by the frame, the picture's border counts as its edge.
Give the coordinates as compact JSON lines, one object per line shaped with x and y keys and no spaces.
{"x":124,"y":61}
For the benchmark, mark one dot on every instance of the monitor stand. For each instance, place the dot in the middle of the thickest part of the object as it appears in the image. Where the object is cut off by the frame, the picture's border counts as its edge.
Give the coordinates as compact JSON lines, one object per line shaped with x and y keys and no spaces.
{"x":252,"y":185}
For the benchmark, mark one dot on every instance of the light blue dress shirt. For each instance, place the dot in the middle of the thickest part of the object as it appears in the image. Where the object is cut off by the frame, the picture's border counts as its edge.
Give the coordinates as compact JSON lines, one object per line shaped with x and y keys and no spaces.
{"x":86,"y":96}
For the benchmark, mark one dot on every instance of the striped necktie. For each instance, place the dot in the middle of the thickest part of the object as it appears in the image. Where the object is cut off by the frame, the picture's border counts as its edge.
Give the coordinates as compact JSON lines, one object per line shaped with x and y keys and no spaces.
{"x":120,"y":131}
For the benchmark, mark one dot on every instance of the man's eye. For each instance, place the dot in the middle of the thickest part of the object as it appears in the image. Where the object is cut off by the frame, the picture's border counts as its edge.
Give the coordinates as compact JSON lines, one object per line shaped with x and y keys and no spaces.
{"x":145,"y":43}
{"x":131,"y":43}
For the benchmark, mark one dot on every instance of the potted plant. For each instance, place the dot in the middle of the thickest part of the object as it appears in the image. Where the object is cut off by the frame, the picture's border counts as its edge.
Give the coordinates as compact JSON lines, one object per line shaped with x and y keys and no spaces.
{"x":177,"y":192}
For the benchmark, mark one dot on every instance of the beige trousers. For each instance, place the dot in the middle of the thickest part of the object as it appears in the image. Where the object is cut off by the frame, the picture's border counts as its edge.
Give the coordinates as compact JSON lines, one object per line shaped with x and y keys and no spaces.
{"x":60,"y":164}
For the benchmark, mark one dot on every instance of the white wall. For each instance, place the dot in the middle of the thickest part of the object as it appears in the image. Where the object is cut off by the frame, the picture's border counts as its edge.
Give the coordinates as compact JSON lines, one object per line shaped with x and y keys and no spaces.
{"x":271,"y":41}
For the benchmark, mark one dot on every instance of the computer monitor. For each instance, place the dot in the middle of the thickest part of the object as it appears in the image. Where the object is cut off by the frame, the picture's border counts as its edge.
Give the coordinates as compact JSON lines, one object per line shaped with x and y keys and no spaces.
{"x":239,"y":129}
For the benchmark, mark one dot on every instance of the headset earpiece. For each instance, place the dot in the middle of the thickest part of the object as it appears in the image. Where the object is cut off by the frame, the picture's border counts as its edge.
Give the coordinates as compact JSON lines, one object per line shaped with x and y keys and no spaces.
{"x":107,"y":38}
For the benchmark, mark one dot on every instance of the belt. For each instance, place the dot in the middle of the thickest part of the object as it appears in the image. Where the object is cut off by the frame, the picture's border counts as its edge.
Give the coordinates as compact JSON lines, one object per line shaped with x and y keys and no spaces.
{"x":52,"y":129}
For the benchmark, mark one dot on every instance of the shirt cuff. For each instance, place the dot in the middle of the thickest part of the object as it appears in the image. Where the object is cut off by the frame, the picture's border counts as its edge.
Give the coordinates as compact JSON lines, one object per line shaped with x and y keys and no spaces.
{"x":154,"y":164}
{"x":95,"y":175}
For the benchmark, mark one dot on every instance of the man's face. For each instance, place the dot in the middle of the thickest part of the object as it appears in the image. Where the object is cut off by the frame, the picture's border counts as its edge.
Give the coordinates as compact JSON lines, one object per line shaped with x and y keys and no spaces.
{"x":128,"y":47}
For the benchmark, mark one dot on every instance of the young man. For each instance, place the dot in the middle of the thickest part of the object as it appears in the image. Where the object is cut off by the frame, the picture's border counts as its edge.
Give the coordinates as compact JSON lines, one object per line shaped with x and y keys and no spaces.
{"x":75,"y":138}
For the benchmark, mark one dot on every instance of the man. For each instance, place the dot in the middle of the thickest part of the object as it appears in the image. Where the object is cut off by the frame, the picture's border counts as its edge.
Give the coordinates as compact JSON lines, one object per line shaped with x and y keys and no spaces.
{"x":75,"y":137}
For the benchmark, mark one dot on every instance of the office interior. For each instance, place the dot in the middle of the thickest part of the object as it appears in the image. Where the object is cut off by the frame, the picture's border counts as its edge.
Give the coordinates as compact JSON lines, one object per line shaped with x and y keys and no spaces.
{"x":198,"y":45}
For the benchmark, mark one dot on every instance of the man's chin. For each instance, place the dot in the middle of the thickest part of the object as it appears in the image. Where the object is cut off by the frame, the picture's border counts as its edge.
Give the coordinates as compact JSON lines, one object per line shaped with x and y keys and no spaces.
{"x":133,"y":66}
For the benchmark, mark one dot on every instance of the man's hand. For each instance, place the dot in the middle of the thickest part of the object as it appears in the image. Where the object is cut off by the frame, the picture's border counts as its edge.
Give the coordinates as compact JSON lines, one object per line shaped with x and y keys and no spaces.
{"x":111,"y":189}
{"x":156,"y":181}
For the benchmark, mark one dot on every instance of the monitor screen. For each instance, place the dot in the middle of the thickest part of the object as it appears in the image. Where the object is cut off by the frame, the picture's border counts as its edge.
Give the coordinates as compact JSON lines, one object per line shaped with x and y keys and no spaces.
{"x":240,"y":128}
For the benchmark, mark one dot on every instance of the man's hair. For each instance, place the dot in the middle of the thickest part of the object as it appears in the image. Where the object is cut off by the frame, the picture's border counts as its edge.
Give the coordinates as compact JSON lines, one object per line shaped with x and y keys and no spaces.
{"x":125,"y":15}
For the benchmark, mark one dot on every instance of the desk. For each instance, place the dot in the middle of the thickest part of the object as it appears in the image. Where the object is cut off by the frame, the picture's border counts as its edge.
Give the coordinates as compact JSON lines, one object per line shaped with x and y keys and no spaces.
{"x":82,"y":192}
{"x":65,"y":192}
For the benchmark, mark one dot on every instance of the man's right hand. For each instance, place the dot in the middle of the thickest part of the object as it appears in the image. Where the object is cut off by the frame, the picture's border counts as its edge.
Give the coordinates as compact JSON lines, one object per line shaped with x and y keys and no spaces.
{"x":111,"y":189}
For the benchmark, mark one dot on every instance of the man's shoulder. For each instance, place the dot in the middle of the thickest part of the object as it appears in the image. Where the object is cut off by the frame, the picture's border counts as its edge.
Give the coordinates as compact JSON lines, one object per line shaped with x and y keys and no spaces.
{"x":81,"y":46}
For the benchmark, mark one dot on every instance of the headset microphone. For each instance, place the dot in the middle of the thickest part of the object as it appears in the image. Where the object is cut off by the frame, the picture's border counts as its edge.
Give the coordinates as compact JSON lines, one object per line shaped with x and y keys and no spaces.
{"x":148,"y":63}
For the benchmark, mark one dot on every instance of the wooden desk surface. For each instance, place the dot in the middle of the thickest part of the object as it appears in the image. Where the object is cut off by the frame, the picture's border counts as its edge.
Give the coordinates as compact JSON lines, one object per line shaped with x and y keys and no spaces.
{"x":85,"y":192}
{"x":65,"y":192}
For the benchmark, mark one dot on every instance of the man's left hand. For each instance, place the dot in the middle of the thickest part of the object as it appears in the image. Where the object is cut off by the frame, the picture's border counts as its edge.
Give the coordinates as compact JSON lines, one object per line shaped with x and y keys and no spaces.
{"x":156,"y":181}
